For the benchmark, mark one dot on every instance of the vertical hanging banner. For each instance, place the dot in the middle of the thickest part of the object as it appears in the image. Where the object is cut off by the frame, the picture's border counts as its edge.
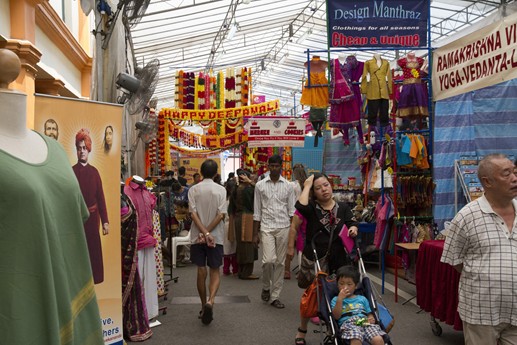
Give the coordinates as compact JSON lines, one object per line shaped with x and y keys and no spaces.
{"x":483,"y":58}
{"x":91,"y":134}
{"x":377,"y":23}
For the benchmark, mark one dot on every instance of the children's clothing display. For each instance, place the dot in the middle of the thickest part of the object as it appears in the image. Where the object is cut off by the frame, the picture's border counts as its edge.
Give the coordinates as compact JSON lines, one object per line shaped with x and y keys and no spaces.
{"x":413,"y":100}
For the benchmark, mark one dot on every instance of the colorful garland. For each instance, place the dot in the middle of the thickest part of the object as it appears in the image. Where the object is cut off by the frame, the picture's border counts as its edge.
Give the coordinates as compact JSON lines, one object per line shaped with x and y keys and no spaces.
{"x":161,"y":141}
{"x":178,"y":90}
{"x":201,"y":141}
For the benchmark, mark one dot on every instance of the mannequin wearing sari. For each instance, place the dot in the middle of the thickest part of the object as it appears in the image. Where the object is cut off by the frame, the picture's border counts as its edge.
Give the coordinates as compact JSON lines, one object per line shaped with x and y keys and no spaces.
{"x":343,"y":114}
{"x":144,"y":202}
{"x":135,"y":319}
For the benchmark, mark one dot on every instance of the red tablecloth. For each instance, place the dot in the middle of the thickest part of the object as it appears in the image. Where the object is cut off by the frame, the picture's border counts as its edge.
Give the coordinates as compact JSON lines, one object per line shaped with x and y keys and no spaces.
{"x":437,"y":284}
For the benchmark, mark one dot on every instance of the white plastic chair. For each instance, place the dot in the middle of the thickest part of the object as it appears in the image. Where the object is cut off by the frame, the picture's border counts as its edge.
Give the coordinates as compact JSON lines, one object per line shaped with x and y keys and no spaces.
{"x":178,"y":241}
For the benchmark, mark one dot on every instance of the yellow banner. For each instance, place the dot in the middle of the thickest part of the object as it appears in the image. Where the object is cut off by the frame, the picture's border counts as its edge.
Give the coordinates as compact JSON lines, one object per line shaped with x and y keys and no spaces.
{"x":221,"y":114}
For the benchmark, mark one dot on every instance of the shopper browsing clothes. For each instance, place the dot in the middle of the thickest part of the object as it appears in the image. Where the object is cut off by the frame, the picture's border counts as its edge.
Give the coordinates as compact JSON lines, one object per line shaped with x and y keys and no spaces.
{"x":207,"y":204}
{"x":482,"y":245}
{"x":273,"y":209}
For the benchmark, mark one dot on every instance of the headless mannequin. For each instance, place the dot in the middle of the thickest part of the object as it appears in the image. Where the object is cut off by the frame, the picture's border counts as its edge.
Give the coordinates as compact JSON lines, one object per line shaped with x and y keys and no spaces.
{"x":342,"y":58}
{"x":377,"y":58}
{"x":15,"y":138}
{"x":317,"y":66}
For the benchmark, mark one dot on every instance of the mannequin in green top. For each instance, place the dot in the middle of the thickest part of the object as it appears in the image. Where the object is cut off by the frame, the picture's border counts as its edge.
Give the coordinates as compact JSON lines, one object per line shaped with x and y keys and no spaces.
{"x":47,"y":294}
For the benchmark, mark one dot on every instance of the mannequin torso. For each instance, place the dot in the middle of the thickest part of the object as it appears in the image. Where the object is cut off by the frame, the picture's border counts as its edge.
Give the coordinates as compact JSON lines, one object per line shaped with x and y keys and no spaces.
{"x":317,"y":65}
{"x":342,"y":58}
{"x":377,"y":58}
{"x":15,"y":138}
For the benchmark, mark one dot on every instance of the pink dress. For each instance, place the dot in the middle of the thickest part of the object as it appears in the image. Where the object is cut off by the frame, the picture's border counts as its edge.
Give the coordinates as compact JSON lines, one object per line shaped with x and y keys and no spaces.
{"x":344,"y":110}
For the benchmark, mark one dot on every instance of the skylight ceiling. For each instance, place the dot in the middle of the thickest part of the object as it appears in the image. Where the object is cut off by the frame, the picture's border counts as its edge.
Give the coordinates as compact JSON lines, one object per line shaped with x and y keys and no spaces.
{"x":270,"y":36}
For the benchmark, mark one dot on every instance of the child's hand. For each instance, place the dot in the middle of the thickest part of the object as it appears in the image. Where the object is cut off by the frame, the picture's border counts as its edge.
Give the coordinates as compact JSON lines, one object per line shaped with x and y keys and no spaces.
{"x":344,"y":293}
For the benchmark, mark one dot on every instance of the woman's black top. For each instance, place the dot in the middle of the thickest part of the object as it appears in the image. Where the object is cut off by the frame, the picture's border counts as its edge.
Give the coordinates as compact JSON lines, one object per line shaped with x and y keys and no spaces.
{"x":318,"y":220}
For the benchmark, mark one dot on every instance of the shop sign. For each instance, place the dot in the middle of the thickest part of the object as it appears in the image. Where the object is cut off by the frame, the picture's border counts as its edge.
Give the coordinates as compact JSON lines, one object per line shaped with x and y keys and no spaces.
{"x":276,"y":132}
{"x":480,"y":59}
{"x":377,"y":23}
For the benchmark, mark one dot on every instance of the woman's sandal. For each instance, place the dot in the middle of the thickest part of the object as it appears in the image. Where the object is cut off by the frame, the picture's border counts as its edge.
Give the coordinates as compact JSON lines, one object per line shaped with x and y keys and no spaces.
{"x":300,"y":341}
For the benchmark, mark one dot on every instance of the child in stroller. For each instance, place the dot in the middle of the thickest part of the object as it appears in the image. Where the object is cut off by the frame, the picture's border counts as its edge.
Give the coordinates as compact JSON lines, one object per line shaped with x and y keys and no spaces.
{"x":355,"y":318}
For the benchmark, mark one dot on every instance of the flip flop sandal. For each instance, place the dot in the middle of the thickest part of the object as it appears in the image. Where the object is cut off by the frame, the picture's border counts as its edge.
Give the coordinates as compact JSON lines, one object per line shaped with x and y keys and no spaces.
{"x":207,"y":316}
{"x":300,"y":341}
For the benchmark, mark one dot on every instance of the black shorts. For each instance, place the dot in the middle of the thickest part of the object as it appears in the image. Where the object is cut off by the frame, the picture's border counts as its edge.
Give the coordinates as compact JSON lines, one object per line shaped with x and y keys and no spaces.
{"x":202,"y":255}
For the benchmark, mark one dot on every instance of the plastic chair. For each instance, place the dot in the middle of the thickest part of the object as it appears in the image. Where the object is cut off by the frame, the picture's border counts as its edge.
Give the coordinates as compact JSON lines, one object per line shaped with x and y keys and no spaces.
{"x":178,"y":241}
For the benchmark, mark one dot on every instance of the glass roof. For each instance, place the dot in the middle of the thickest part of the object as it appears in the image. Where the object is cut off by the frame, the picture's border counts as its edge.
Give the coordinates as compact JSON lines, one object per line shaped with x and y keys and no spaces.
{"x":270,"y":36}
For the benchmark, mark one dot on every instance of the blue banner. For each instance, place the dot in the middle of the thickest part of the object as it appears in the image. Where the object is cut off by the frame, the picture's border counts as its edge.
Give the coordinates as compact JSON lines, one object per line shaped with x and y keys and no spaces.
{"x":377,"y":23}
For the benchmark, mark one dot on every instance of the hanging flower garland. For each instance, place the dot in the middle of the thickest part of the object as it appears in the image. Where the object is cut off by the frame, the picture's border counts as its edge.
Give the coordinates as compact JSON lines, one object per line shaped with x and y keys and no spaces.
{"x":189,"y":92}
{"x":230,"y":88}
{"x":178,"y":89}
{"x":196,"y":93}
{"x":151,"y":150}
{"x":238,"y":87}
{"x":213,"y":90}
{"x":244,"y":86}
{"x":219,"y":104}
{"x":161,"y":141}
{"x":167,"y":148}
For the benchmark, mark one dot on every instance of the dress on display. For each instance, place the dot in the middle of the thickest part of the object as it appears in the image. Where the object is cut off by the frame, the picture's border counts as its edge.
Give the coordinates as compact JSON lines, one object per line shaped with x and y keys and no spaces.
{"x":344,"y":113}
{"x":352,"y":71}
{"x":378,"y":90}
{"x":316,"y":96}
{"x":413,"y":99}
{"x":135,"y":319}
{"x":91,"y":186}
{"x":144,"y":202}
{"x":47,"y":294}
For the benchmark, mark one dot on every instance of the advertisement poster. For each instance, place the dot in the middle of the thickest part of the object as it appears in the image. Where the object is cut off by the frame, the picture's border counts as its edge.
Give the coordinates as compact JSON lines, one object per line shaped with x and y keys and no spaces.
{"x":377,"y":23}
{"x":96,"y":163}
{"x":276,"y":132}
{"x":193,"y":165}
{"x":483,"y":58}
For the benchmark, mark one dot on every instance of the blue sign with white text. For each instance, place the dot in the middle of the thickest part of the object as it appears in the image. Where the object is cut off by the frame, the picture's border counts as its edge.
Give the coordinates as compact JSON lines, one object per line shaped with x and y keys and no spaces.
{"x":377,"y":23}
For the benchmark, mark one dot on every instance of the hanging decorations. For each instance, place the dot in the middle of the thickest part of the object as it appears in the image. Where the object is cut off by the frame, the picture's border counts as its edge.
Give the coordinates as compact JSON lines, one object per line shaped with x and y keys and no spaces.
{"x":223,"y":114}
{"x":167,"y":148}
{"x":200,"y":141}
{"x":218,"y":103}
{"x":161,"y":141}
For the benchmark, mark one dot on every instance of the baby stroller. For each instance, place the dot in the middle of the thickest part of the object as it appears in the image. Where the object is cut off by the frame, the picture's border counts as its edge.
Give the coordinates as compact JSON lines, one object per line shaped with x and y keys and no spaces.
{"x":332,"y":333}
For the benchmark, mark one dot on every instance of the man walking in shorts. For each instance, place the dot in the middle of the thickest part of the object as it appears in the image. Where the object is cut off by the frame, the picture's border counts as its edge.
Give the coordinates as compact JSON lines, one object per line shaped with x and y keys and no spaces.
{"x":207,"y":204}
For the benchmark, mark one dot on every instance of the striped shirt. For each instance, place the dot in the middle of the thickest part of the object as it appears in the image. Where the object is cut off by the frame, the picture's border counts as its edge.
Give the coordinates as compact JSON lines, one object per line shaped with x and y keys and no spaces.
{"x":479,"y":239}
{"x":274,"y":203}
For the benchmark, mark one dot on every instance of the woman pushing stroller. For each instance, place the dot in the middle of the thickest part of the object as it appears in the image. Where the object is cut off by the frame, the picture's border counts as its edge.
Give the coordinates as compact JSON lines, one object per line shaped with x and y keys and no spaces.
{"x":325,"y":216}
{"x":355,"y":318}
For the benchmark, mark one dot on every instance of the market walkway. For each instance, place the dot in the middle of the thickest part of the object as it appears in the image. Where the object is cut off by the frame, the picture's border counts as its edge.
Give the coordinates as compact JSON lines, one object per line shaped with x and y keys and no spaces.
{"x":240,"y":316}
